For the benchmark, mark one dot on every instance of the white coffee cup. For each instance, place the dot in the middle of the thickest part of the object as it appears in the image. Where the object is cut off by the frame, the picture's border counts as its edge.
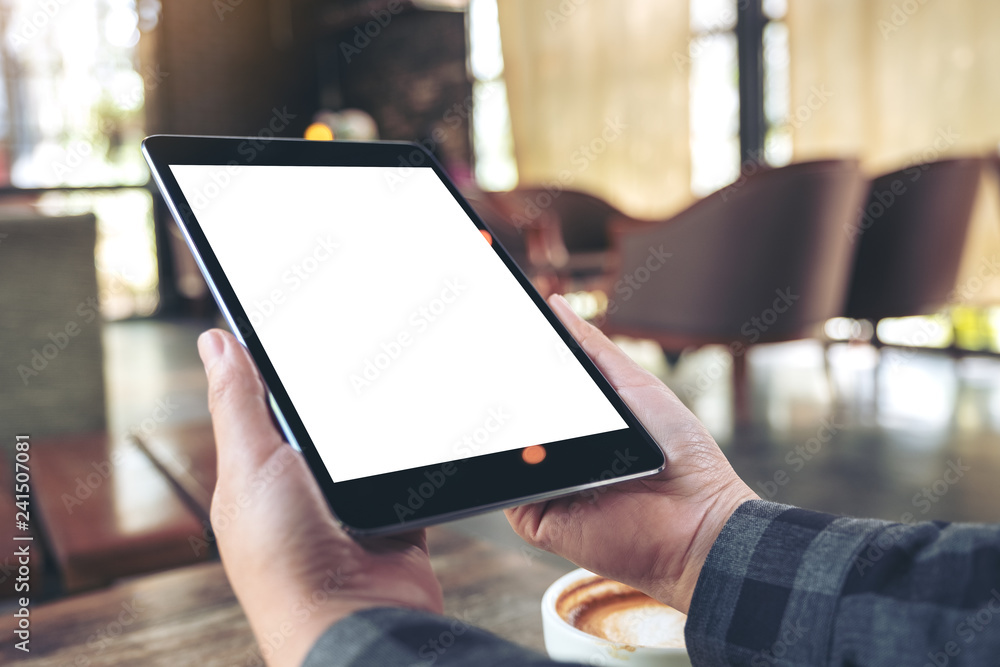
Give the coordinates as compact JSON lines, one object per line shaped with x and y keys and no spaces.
{"x":567,"y":643}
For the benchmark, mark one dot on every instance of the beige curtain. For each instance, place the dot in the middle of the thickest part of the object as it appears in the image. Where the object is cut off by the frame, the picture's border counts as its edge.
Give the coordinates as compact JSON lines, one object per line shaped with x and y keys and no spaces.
{"x":598,"y":94}
{"x":901,"y":81}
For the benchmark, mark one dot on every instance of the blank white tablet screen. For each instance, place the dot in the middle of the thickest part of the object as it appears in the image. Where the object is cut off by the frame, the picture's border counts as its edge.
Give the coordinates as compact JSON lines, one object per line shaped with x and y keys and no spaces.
{"x":397,"y":332}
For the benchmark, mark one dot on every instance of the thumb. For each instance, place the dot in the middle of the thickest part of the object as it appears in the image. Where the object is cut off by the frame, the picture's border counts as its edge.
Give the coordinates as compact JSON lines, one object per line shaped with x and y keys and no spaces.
{"x":245,"y":436}
{"x":620,"y":370}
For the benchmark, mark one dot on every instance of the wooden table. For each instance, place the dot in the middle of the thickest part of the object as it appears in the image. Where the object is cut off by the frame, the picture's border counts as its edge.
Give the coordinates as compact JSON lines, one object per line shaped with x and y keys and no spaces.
{"x":107,"y":511}
{"x":186,"y":455}
{"x":189,"y":616}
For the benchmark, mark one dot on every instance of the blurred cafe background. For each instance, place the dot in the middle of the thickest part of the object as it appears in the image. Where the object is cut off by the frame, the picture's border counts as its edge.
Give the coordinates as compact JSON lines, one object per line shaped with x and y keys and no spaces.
{"x":788,"y":210}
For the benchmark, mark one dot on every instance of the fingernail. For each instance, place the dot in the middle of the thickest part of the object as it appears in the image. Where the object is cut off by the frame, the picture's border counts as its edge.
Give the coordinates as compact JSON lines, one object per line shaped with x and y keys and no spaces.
{"x":559,"y":301}
{"x":210,"y":347}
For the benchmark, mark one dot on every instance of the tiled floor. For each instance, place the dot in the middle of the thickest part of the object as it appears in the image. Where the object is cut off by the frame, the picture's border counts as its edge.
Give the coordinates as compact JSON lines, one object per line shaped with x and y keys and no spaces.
{"x":849,"y":445}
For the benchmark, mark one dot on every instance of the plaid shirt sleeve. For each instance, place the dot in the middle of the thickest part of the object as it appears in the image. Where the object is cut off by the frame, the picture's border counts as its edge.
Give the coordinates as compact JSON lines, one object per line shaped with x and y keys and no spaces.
{"x":781,"y":586}
{"x":386,"y":636}
{"x":785,"y":586}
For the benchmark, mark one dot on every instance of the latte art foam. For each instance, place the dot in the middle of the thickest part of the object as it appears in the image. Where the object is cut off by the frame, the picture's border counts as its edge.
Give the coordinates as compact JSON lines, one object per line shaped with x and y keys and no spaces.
{"x":621,"y":614}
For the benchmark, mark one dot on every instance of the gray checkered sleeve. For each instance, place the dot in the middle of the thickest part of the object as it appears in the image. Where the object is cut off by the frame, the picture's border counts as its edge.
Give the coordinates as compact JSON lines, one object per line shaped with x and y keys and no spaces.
{"x":387,"y":636}
{"x":782,"y":586}
{"x":785,"y":586}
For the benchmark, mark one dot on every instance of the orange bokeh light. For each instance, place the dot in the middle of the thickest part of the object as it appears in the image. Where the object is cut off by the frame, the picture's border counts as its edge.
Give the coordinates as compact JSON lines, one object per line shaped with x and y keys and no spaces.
{"x":486,"y":235}
{"x":319,"y":132}
{"x":534,"y":454}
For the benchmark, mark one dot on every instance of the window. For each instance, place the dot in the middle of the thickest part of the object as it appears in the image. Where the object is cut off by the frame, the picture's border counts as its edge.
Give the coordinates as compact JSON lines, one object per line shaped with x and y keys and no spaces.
{"x":71,"y":116}
{"x":492,"y":141}
{"x":778,"y":135}
{"x":715,"y":91}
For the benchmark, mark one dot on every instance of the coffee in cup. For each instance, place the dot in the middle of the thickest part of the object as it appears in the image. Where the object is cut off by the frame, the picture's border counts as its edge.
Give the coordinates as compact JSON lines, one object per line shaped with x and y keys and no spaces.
{"x":620,"y":614}
{"x":597,"y":621}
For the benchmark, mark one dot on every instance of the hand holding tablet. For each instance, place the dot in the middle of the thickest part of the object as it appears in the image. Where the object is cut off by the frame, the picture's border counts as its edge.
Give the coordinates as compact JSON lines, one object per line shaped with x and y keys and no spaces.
{"x":405,"y":355}
{"x":316,"y":574}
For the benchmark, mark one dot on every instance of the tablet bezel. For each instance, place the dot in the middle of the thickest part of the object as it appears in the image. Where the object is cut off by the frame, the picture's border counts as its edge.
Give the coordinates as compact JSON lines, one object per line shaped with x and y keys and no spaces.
{"x":422,"y":496}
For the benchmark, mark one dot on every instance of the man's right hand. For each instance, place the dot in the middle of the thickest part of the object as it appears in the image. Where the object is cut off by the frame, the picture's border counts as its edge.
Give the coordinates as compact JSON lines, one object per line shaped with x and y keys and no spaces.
{"x":655,"y":533}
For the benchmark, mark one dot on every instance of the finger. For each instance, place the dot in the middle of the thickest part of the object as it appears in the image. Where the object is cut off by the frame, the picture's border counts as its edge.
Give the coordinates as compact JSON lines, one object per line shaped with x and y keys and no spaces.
{"x":245,"y":436}
{"x":617,"y":366}
{"x":657,"y":407}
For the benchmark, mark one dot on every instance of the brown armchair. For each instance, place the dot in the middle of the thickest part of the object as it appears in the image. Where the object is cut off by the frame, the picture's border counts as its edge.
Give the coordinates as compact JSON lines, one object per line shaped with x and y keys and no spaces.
{"x":764,"y":260}
{"x":525,"y":243}
{"x":574,"y":229}
{"x":910,"y":238}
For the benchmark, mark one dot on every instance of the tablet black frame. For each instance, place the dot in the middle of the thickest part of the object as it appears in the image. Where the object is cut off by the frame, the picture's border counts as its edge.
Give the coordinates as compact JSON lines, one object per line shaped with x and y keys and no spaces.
{"x":418,"y":496}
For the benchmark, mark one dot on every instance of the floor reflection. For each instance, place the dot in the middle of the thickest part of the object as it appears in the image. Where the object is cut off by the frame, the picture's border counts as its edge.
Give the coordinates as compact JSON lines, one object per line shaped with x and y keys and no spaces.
{"x":867,"y":441}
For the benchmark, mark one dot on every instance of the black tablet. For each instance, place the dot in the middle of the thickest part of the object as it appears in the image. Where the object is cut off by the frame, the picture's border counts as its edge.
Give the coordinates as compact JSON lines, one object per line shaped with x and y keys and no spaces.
{"x":407,"y":357}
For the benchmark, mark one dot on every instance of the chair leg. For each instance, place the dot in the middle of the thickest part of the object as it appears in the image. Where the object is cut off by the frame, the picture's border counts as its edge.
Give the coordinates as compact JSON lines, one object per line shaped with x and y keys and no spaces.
{"x":672,"y":355}
{"x":830,"y":381}
{"x":878,"y":383}
{"x":741,"y":390}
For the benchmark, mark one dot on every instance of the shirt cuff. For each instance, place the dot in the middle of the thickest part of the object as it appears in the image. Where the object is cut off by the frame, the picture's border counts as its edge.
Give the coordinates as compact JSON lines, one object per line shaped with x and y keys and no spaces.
{"x":769,"y":589}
